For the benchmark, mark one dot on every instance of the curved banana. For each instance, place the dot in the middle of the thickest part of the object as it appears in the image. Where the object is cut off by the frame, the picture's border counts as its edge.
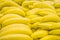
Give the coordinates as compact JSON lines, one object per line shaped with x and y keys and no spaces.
{"x":57,"y":3}
{"x":39,"y":34}
{"x":35,"y":25}
{"x":41,"y":12}
{"x":13,"y":10}
{"x":4,"y":3}
{"x":37,"y":19}
{"x":43,"y":5}
{"x":55,"y":32}
{"x":16,"y":26}
{"x":16,"y":29}
{"x":18,"y":1}
{"x":28,"y":4}
{"x":47,"y":18}
{"x":58,"y":11}
{"x":36,"y":4}
{"x":51,"y":37}
{"x":16,"y":37}
{"x":8,"y":16}
{"x":49,"y":2}
{"x":51,"y":18}
{"x":0,"y":27}
{"x":46,"y":25}
{"x":32,"y":16}
{"x":16,"y":20}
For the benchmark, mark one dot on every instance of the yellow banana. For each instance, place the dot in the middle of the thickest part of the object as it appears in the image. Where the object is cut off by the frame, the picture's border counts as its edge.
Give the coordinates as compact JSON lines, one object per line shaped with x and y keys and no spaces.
{"x":4,"y":3}
{"x":32,"y":16}
{"x":28,"y":4}
{"x":16,"y":26}
{"x":39,"y":34}
{"x":16,"y":20}
{"x":49,"y":2}
{"x":8,"y":16}
{"x":16,"y":37}
{"x":37,"y":19}
{"x":57,"y":3}
{"x":0,"y":27}
{"x":36,"y":4}
{"x":16,"y":29}
{"x":18,"y":1}
{"x":51,"y":18}
{"x":35,"y":25}
{"x":41,"y":12}
{"x":47,"y":18}
{"x":46,"y":25}
{"x":43,"y":5}
{"x":51,"y":37}
{"x":13,"y":10}
{"x":58,"y":11}
{"x":55,"y":32}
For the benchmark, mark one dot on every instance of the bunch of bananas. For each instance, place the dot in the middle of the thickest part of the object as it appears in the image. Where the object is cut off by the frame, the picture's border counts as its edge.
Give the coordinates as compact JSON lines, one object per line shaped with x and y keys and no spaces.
{"x":29,"y":20}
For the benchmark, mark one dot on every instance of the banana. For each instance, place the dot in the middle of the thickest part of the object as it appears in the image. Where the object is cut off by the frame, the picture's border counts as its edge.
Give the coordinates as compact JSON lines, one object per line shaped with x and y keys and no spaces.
{"x":16,"y":37}
{"x":35,"y":25}
{"x":16,"y":29}
{"x":0,"y":27}
{"x":58,"y":11}
{"x":18,"y":1}
{"x":49,"y":2}
{"x":43,"y":5}
{"x":39,"y":34}
{"x":47,"y":18}
{"x":34,"y":0}
{"x":8,"y":16}
{"x":32,"y":16}
{"x":16,"y":26}
{"x":46,"y":25}
{"x":36,"y":4}
{"x":13,"y":10}
{"x":55,"y":32}
{"x":37,"y":19}
{"x":51,"y":37}
{"x":41,"y":12}
{"x":57,"y":3}
{"x":4,"y":3}
{"x":16,"y":20}
{"x":51,"y":18}
{"x":28,"y":4}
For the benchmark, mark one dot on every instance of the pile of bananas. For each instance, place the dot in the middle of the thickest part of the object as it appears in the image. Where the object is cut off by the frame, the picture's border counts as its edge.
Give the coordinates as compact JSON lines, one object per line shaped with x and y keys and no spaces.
{"x":29,"y":19}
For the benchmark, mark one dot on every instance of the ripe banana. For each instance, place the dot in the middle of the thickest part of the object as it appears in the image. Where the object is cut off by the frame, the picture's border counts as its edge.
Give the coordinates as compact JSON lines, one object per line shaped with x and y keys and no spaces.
{"x":46,"y":25}
{"x":51,"y":37}
{"x":16,"y":29}
{"x":55,"y":32}
{"x":18,"y":1}
{"x":16,"y":20}
{"x":36,"y":4}
{"x":16,"y":26}
{"x":4,"y":3}
{"x":13,"y":10}
{"x":8,"y":16}
{"x":41,"y":12}
{"x":51,"y":18}
{"x":43,"y":5}
{"x":39,"y":34}
{"x":16,"y":37}
{"x":57,"y":3}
